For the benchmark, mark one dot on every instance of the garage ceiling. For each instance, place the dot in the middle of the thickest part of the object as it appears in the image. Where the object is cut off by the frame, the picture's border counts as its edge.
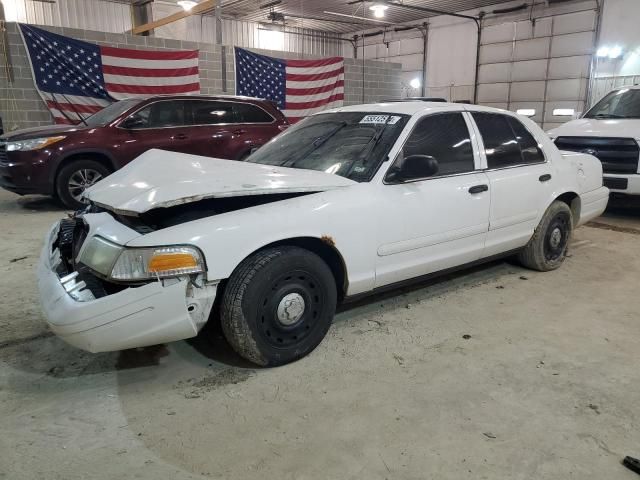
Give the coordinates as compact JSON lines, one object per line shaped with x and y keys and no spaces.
{"x":311,"y":13}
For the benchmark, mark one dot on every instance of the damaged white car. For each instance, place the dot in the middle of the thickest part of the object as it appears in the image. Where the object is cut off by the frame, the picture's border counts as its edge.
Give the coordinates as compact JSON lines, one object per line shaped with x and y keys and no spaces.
{"x":345,"y":203}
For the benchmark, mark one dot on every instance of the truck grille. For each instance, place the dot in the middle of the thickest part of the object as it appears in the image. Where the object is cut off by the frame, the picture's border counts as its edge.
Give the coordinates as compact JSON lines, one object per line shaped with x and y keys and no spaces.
{"x":618,"y":155}
{"x":4,"y":159}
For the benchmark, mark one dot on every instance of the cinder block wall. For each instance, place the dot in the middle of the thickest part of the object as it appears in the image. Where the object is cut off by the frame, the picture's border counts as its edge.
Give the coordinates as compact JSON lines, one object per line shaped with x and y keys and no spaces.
{"x":21,"y":106}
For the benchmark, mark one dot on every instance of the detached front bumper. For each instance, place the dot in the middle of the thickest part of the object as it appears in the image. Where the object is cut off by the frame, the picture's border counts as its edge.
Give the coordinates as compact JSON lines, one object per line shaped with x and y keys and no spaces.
{"x":157,"y":312}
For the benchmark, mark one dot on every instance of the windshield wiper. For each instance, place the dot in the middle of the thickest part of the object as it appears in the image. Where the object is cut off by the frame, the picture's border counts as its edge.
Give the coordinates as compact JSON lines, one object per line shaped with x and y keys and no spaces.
{"x":372,"y":143}
{"x":602,"y":116}
{"x":317,"y":143}
{"x":368,"y":148}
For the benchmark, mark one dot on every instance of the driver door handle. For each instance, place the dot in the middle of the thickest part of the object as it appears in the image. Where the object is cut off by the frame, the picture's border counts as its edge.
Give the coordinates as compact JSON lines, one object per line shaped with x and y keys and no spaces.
{"x":239,"y":131}
{"x":478,"y":189}
{"x":180,"y":136}
{"x":545,"y":178}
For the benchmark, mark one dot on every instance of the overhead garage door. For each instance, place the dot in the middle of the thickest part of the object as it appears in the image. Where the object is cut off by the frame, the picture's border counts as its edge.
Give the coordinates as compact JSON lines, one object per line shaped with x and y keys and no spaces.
{"x":540,"y":65}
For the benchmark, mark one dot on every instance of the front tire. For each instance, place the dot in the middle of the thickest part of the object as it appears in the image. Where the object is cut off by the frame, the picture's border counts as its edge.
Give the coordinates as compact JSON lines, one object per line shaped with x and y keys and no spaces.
{"x":278,"y":305}
{"x":75,"y":177}
{"x":547,"y":248}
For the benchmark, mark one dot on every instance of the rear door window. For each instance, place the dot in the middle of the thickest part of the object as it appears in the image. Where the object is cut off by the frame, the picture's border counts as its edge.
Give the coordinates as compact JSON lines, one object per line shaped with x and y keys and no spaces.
{"x":210,"y":112}
{"x":531,"y":152}
{"x":500,"y":143}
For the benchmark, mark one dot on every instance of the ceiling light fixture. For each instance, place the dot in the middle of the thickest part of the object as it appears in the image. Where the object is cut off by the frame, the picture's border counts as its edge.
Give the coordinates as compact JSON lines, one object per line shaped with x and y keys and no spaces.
{"x":378,"y":9}
{"x":358,"y":18}
{"x":187,"y":5}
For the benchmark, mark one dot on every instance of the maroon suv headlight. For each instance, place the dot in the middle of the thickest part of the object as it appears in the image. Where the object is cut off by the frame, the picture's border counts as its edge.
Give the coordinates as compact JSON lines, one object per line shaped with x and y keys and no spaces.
{"x":32,"y":144}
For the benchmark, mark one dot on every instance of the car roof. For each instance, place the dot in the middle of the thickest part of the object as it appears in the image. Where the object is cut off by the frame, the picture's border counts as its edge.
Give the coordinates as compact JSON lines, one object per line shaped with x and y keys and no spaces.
{"x":414,"y":107}
{"x":196,"y":96}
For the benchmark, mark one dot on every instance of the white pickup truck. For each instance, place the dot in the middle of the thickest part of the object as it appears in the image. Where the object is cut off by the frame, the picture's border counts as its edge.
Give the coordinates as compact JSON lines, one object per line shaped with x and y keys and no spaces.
{"x":345,"y":203}
{"x":610,"y":131}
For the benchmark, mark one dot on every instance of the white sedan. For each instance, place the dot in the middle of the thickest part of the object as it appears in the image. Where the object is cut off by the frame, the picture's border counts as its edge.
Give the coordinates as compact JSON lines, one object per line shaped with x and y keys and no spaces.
{"x":345,"y":203}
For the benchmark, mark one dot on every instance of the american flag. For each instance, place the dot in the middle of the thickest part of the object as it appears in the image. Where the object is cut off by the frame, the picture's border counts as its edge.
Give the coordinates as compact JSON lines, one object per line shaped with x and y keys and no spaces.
{"x":77,"y":79}
{"x":299,"y":87}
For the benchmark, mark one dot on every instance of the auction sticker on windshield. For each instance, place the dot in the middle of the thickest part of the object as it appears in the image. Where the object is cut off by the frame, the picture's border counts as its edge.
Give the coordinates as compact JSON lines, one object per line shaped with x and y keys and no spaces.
{"x":380,"y":119}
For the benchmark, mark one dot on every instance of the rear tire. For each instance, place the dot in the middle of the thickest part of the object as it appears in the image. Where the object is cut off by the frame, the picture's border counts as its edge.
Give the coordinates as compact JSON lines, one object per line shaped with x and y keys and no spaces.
{"x":278,"y":305}
{"x":75,"y":177}
{"x":547,"y":248}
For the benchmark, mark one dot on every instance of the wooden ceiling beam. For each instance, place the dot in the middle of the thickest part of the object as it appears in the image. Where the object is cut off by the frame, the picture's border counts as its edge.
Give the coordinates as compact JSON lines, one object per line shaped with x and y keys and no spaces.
{"x":202,"y":7}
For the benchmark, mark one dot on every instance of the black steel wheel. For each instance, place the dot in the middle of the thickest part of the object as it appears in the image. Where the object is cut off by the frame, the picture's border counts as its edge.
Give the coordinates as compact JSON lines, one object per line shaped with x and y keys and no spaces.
{"x":278,"y":305}
{"x":547,"y":248}
{"x":557,"y":236}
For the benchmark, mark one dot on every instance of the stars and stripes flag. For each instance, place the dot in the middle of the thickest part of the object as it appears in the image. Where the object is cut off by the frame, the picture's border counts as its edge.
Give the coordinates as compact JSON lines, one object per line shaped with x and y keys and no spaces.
{"x":299,"y":87}
{"x":77,"y":79}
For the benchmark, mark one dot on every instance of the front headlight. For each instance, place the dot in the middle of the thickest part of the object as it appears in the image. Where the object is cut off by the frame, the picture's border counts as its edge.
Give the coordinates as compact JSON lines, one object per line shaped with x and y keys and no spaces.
{"x":100,"y":255}
{"x":135,"y":264}
{"x":32,"y":144}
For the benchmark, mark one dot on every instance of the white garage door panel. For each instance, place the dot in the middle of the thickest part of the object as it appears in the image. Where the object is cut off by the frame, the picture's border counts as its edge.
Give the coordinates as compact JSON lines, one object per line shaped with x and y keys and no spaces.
{"x":537,"y":106}
{"x":493,"y":92}
{"x":500,"y":52}
{"x":532,"y":49}
{"x":572,"y":44}
{"x":529,"y":70}
{"x":409,"y":62}
{"x":497,"y":33}
{"x":569,"y":67}
{"x":455,"y":93}
{"x":400,"y":47}
{"x":412,"y":45}
{"x":574,"y":22}
{"x":501,"y":105}
{"x":494,"y":73}
{"x":551,"y":106}
{"x":527,"y":91}
{"x":370,"y":51}
{"x":545,"y":62}
{"x":524,"y":30}
{"x":542,"y":27}
{"x":570,"y":89}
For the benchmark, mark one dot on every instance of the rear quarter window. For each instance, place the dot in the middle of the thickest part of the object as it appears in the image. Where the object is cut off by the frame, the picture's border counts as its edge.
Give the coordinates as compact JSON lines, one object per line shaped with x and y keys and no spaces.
{"x":248,"y":113}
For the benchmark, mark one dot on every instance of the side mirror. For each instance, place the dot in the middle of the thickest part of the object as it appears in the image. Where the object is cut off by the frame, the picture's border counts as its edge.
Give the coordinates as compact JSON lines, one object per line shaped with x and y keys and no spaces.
{"x":132,"y":122}
{"x":415,"y":167}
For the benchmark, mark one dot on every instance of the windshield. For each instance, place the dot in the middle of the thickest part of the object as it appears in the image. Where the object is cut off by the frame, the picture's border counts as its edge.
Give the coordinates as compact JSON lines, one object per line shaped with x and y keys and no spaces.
{"x":109,"y":113}
{"x":349,"y":144}
{"x":623,"y":103}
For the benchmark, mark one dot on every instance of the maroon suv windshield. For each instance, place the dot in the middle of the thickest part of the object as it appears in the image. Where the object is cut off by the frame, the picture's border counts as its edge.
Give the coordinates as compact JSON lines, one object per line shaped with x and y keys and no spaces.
{"x":111,"y":112}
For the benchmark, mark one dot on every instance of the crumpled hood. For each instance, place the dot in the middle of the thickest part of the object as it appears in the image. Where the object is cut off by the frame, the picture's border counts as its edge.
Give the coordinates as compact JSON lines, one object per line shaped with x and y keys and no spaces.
{"x":593,"y":127}
{"x":160,"y":179}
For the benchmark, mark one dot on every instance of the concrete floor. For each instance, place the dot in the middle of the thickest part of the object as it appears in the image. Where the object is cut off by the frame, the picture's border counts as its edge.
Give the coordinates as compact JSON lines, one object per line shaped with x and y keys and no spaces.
{"x":546,"y":387}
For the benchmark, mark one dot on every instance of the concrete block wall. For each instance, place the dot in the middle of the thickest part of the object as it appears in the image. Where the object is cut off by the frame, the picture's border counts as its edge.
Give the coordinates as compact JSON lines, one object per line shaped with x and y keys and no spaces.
{"x":22,"y":107}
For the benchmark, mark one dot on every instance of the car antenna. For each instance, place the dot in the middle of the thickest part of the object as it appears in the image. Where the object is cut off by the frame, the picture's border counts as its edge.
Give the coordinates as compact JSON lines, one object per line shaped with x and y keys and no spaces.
{"x":53,"y":95}
{"x":75,"y":111}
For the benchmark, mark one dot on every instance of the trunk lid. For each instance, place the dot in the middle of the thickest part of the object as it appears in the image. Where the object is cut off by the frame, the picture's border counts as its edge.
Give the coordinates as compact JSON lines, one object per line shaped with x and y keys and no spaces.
{"x":161,"y":179}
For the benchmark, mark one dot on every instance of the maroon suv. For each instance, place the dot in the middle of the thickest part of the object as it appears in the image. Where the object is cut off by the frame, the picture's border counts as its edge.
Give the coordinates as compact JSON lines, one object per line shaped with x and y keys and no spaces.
{"x":65,"y":160}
